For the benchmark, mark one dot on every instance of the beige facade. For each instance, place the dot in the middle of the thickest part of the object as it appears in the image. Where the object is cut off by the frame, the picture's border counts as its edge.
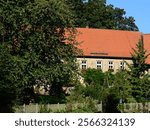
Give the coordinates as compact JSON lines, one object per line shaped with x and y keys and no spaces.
{"x":104,"y":64}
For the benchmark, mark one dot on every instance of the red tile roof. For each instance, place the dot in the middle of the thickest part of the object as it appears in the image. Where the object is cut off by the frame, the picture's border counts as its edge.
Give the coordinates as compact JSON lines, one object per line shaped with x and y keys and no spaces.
{"x":147,"y":46}
{"x":107,"y":43}
{"x":110,"y":43}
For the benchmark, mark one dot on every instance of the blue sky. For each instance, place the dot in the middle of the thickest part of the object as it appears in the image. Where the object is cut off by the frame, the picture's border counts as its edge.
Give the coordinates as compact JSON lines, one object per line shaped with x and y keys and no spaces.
{"x":139,"y":9}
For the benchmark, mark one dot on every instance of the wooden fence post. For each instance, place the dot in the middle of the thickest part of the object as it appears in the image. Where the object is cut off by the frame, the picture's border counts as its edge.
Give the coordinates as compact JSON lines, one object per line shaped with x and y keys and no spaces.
{"x":24,"y":108}
{"x":36,"y":108}
{"x":48,"y":107}
{"x":58,"y":107}
{"x":149,"y":107}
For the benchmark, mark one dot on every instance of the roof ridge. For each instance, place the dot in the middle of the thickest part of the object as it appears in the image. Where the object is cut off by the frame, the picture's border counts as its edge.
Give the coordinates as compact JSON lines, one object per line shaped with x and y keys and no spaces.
{"x":109,"y":30}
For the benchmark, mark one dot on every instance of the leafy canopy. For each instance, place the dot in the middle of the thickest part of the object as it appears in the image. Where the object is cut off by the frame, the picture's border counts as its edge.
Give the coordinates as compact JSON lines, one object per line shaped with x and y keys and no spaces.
{"x":98,"y":14}
{"x":34,"y":34}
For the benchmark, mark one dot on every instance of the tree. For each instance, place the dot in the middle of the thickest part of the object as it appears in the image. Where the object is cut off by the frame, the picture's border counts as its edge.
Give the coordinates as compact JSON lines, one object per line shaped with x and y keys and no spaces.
{"x":7,"y":92}
{"x":34,"y":33}
{"x":94,"y":80}
{"x":97,"y":14}
{"x":139,"y":79}
{"x":93,"y":77}
{"x":116,"y":19}
{"x":139,"y":60}
{"x":120,"y":92}
{"x":78,"y":9}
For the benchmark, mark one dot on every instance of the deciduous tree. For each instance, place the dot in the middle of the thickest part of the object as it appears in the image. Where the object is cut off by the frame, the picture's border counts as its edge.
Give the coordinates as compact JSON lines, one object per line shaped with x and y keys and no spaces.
{"x":98,"y":14}
{"x":34,"y":34}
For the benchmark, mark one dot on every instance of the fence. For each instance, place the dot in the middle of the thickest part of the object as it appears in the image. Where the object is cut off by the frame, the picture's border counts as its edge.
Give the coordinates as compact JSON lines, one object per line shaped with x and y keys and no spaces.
{"x":126,"y":107}
{"x":36,"y":108}
{"x":135,"y":107}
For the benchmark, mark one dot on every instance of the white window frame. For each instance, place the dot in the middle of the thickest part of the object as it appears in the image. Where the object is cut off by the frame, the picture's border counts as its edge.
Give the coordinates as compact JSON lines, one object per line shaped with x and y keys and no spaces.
{"x":110,"y":65}
{"x":84,"y":63}
{"x":122,"y":65}
{"x":99,"y":65}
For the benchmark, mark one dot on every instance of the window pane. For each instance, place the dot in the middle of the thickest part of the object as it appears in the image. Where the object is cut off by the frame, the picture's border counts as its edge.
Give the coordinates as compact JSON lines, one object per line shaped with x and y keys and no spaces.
{"x":84,"y":62}
{"x":122,"y":65}
{"x":110,"y":64}
{"x":83,"y":66}
{"x":99,"y":62}
{"x":99,"y":66}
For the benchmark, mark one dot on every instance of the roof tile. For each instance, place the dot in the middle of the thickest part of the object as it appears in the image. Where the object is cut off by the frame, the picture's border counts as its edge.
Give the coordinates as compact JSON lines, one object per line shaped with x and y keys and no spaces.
{"x":104,"y":42}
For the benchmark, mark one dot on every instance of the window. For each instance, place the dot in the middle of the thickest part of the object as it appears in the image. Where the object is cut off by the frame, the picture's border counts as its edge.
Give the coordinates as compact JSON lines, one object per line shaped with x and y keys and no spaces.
{"x":122,"y":65}
{"x":110,"y":65}
{"x":85,"y":1}
{"x":84,"y":64}
{"x":99,"y":64}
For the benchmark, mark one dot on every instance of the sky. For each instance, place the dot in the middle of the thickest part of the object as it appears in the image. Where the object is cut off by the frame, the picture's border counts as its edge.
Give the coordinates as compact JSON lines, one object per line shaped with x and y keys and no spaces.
{"x":139,"y":9}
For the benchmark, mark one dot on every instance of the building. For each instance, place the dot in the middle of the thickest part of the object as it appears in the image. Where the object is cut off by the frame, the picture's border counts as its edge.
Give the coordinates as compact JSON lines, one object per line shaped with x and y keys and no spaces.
{"x":108,"y":49}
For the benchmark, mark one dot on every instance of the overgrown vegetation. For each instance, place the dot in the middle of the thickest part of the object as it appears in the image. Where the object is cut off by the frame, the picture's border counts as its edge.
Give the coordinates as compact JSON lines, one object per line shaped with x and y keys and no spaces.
{"x":33,"y":47}
{"x":126,"y":86}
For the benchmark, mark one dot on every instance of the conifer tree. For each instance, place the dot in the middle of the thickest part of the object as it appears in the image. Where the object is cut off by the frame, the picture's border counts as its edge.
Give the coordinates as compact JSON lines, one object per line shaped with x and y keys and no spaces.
{"x":138,"y":76}
{"x":139,"y":57}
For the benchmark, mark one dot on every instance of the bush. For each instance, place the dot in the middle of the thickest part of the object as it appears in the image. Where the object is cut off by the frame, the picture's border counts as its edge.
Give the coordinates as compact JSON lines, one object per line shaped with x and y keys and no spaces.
{"x":7,"y":97}
{"x":110,"y":102}
{"x":47,"y":99}
{"x":77,"y":102}
{"x":93,"y":77}
{"x":93,"y":91}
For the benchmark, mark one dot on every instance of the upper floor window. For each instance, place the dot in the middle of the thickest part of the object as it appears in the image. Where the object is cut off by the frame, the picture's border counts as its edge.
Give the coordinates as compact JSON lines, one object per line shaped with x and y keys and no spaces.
{"x":84,"y":64}
{"x":99,"y":64}
{"x":122,"y":65}
{"x":110,"y":65}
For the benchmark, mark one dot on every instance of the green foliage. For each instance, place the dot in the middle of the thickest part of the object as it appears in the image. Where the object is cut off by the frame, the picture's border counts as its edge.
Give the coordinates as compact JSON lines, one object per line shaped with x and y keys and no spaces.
{"x":48,"y":99}
{"x":98,"y":84}
{"x":141,"y":89}
{"x":94,"y":80}
{"x":97,"y":14}
{"x":95,"y":92}
{"x":7,"y":97}
{"x":122,"y":87}
{"x":79,"y":103}
{"x":145,"y":83}
{"x":33,"y":34}
{"x":119,"y":92}
{"x":110,"y":102}
{"x":44,"y":109}
{"x":138,"y":78}
{"x":108,"y":79}
{"x":139,"y":60}
{"x":113,"y":89}
{"x":7,"y":92}
{"x":93,"y":77}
